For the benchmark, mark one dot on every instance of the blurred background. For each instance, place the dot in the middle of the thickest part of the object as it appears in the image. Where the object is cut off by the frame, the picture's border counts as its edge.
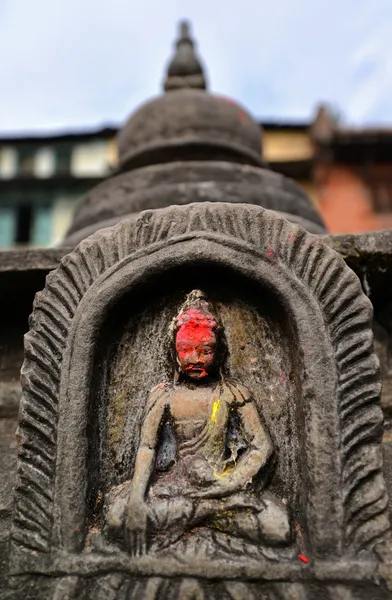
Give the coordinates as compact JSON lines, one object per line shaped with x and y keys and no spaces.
{"x":317,"y":77}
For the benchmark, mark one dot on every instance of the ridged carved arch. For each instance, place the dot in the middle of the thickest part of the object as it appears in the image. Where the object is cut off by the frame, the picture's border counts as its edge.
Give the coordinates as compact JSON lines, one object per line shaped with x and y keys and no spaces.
{"x":347,"y":503}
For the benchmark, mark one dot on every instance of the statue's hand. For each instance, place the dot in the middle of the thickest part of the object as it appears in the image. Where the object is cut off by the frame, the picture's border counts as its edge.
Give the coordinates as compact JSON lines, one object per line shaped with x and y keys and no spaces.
{"x":216,"y":490}
{"x":135,"y":524}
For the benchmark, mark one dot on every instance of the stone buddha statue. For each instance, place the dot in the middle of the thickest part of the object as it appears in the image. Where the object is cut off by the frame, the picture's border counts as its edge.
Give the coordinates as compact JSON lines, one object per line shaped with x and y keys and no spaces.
{"x":221,"y":450}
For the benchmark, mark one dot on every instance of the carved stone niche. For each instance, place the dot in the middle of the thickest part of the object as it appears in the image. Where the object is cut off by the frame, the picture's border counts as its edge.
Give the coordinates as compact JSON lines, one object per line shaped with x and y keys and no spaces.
{"x":105,"y":387}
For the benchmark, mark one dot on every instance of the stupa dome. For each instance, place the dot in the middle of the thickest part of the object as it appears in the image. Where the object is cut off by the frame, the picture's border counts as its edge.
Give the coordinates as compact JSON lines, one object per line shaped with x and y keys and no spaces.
{"x":189,"y":124}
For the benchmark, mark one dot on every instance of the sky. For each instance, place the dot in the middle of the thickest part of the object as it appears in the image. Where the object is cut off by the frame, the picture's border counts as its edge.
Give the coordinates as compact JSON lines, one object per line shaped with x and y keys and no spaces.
{"x":76,"y":64}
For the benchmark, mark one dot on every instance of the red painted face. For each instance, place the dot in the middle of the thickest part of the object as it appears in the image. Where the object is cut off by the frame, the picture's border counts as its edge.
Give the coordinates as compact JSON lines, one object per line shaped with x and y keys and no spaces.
{"x":196,"y":345}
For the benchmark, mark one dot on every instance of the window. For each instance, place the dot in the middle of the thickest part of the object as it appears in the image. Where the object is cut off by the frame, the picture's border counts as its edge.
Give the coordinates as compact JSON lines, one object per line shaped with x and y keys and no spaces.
{"x":25,"y":224}
{"x":90,"y":160}
{"x":45,"y":163}
{"x":7,"y":226}
{"x":8,"y":163}
{"x":15,"y":224}
{"x":41,"y":232}
{"x":62,"y":211}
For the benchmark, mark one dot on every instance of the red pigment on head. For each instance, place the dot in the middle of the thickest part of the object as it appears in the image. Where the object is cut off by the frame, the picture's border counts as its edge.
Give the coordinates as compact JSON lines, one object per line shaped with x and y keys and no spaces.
{"x":196,"y":342}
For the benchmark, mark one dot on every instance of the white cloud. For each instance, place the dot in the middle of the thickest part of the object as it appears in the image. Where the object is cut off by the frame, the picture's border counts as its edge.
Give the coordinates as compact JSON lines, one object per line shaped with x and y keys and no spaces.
{"x":77,"y":64}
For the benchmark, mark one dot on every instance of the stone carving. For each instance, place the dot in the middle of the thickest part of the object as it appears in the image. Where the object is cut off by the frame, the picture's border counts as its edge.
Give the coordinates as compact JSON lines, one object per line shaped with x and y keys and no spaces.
{"x":298,"y":329}
{"x":221,"y":447}
{"x":160,"y":185}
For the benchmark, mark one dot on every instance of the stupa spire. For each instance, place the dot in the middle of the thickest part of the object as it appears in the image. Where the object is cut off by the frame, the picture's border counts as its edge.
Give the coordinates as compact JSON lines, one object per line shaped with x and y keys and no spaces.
{"x":185,"y":70}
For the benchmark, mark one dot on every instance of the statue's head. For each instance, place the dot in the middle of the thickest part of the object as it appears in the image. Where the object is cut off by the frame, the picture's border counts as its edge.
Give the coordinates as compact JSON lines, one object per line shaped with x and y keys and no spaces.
{"x":196,"y":336}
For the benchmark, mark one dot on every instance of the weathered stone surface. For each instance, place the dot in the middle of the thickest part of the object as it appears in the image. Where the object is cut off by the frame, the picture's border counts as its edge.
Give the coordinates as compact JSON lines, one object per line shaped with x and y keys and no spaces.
{"x":44,"y":259}
{"x":370,"y":256}
{"x":372,"y":244}
{"x":7,"y":470}
{"x":315,"y":351}
{"x":10,"y":395}
{"x":158,"y":186}
{"x":182,"y":122}
{"x":22,"y":274}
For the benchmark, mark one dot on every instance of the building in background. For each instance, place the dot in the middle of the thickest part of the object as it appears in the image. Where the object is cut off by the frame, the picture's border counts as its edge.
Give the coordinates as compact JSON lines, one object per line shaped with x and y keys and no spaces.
{"x":288,"y":149}
{"x":41,"y":179}
{"x":352,"y":175}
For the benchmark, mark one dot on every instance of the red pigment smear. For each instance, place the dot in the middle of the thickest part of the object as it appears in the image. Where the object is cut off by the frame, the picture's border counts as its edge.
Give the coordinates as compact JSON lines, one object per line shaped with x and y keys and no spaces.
{"x":203,"y":372}
{"x":303,"y":558}
{"x":282,"y":377}
{"x":160,"y":386}
{"x":270,"y":251}
{"x":195,"y":326}
{"x":242,"y":116}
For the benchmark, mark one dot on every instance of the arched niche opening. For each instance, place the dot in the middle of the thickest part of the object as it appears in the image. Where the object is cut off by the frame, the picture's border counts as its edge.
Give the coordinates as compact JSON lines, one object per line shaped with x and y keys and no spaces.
{"x":134,"y":353}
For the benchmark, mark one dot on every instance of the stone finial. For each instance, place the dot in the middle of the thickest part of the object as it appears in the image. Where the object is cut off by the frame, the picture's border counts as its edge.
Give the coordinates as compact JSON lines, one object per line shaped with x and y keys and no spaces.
{"x":185,"y":70}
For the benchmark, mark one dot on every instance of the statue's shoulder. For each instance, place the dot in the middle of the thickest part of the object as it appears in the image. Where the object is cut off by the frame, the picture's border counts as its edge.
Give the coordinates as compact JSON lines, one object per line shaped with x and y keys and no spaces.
{"x":235,"y":393}
{"x":161,"y":388}
{"x":160,"y":394}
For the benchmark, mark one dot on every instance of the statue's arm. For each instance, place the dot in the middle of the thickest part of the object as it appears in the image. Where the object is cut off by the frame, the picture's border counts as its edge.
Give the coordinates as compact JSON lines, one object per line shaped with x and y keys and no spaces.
{"x":136,"y":511}
{"x":149,"y":434}
{"x":259,"y":450}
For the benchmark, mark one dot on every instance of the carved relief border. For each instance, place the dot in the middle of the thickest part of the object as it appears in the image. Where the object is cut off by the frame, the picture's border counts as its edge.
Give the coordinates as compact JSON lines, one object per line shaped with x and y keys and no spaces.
{"x":347,"y":314}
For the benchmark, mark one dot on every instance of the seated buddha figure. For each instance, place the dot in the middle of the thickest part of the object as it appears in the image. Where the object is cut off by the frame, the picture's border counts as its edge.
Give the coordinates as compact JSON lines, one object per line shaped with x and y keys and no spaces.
{"x":213,"y":481}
